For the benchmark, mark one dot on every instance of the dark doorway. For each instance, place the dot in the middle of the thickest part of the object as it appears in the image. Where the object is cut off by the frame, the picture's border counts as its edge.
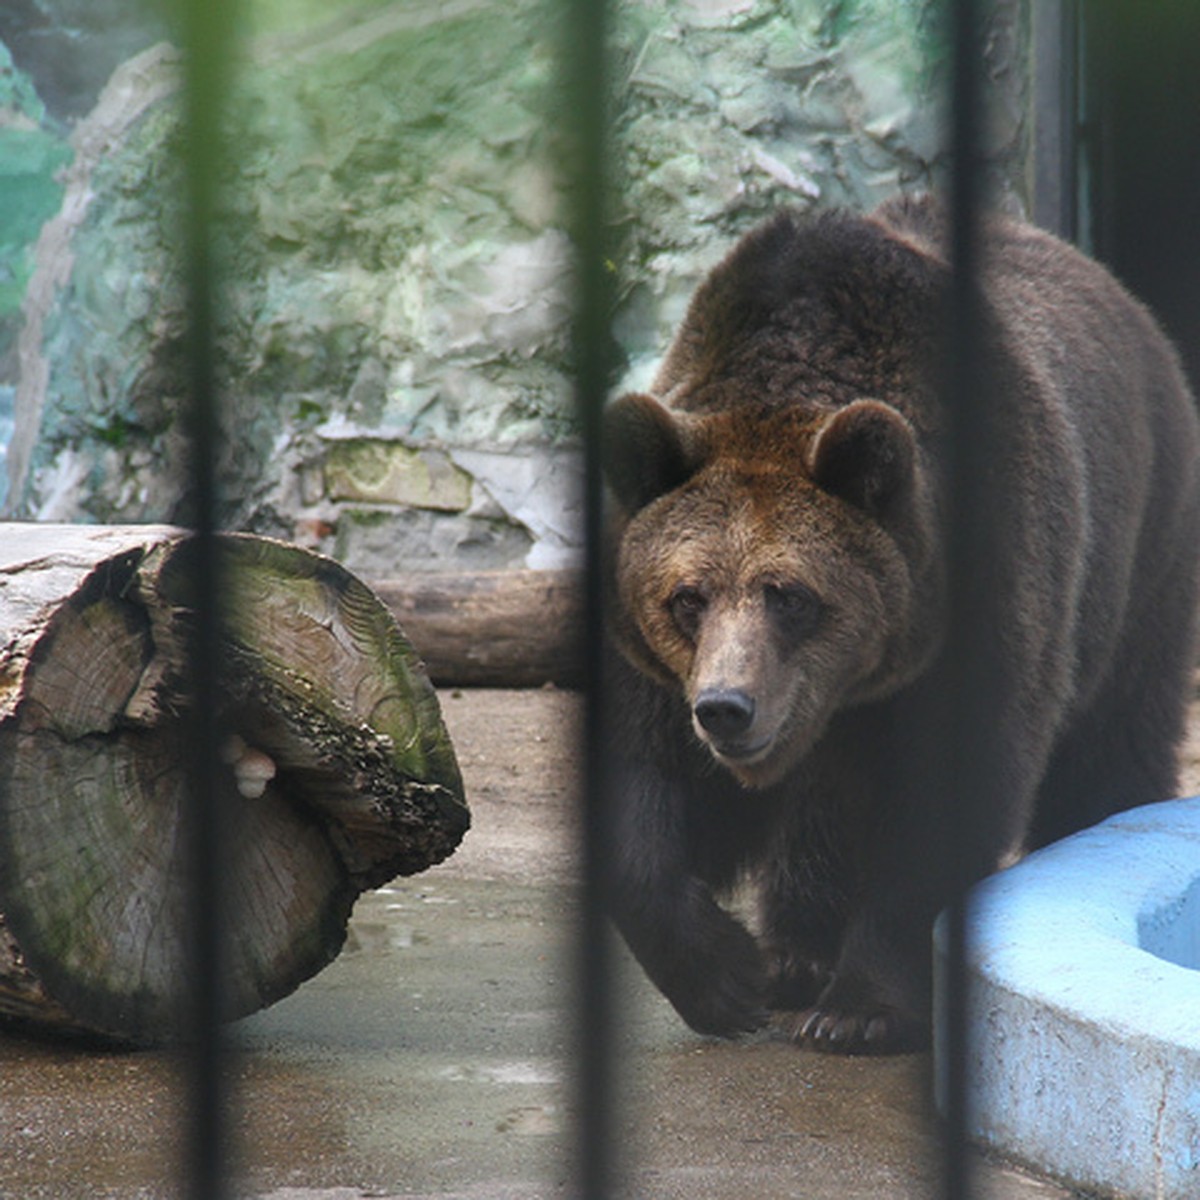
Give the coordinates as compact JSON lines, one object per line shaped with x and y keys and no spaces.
{"x":1140,"y":143}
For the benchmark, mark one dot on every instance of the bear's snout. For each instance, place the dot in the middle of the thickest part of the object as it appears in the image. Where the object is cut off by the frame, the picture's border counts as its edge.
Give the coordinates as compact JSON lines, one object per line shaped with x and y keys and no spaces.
{"x":726,"y":713}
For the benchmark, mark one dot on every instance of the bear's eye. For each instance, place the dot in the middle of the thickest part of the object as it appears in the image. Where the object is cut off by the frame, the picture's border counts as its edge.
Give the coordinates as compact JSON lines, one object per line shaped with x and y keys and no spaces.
{"x":796,"y":608}
{"x":686,"y":605}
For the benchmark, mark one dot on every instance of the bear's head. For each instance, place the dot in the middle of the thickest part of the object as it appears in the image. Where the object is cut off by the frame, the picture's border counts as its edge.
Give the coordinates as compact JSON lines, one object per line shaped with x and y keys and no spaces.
{"x":771,"y":563}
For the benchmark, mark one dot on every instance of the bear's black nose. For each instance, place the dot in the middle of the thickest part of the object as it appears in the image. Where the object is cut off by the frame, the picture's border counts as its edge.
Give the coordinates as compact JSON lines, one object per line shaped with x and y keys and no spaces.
{"x":726,"y":713}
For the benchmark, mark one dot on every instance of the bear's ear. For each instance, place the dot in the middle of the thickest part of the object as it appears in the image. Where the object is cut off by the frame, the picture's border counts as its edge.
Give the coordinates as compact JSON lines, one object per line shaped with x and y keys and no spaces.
{"x":645,"y":450}
{"x":863,"y":454}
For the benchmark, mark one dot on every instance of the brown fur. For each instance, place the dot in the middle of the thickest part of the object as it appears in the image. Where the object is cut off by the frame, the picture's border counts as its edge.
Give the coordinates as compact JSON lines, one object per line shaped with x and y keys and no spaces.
{"x":779,"y":593}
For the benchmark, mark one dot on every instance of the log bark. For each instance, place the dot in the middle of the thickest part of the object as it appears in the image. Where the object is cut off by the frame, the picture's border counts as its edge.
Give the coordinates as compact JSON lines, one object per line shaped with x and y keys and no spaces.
{"x":341,"y":774}
{"x":494,"y":628}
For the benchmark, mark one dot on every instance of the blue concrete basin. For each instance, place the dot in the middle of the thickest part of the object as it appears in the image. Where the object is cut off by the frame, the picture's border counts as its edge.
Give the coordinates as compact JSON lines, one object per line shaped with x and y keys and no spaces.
{"x":1084,"y":967}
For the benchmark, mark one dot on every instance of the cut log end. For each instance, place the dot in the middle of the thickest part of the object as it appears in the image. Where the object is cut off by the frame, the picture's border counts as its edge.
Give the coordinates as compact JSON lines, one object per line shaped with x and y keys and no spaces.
{"x":345,"y":777}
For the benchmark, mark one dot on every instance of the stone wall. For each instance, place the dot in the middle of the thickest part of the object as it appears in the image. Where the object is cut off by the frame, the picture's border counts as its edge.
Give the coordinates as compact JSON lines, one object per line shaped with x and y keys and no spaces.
{"x":393,"y":340}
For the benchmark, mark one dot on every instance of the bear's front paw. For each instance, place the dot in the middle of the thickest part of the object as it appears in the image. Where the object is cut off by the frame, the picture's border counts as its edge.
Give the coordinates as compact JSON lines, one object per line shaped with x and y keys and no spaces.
{"x":720,"y":988}
{"x":855,"y":1016}
{"x":879,"y":1031}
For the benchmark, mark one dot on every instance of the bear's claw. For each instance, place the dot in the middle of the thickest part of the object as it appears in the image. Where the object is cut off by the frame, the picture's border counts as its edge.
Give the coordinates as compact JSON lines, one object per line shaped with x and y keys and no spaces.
{"x":836,"y":1032}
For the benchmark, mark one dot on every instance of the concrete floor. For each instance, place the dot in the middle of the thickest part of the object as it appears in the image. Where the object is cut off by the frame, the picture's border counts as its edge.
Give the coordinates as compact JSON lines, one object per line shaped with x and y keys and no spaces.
{"x":432,"y":1058}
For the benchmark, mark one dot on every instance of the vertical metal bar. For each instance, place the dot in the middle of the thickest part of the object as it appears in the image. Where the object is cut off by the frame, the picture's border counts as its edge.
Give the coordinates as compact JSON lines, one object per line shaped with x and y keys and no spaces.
{"x":207,"y":35}
{"x":585,"y":92}
{"x":965,"y":386}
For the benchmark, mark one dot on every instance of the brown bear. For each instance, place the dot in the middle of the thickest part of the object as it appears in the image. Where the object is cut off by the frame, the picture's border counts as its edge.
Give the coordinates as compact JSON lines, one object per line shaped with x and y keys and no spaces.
{"x":779,"y":603}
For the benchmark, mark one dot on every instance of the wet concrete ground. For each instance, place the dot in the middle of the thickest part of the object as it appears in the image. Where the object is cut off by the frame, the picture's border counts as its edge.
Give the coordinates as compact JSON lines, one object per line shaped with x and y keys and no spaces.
{"x":432,"y":1058}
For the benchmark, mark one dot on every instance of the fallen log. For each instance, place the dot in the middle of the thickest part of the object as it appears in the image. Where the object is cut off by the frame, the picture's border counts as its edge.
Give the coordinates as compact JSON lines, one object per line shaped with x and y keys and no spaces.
{"x":494,"y":628}
{"x":341,"y":772}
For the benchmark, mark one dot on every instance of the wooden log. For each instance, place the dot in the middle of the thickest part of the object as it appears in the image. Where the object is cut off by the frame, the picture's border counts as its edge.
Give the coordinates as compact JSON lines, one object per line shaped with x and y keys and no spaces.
{"x":494,"y":628}
{"x":341,"y":772}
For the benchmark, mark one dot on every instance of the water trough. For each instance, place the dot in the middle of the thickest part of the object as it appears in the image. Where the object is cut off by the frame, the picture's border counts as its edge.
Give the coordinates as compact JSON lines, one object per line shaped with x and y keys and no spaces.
{"x":1085,"y":1002}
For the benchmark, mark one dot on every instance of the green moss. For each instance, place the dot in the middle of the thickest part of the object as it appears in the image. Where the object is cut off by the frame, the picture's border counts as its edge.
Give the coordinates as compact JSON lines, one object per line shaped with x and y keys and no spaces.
{"x":118,"y":431}
{"x":310,"y":412}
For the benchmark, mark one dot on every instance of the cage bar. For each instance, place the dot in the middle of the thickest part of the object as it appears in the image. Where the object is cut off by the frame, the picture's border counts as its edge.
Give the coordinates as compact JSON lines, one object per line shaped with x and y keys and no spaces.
{"x":207,"y":35}
{"x":585,"y":79}
{"x":966,"y":401}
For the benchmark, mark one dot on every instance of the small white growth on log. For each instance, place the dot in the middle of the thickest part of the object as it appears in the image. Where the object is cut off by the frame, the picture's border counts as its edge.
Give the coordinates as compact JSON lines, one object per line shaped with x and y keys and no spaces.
{"x":252,"y":769}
